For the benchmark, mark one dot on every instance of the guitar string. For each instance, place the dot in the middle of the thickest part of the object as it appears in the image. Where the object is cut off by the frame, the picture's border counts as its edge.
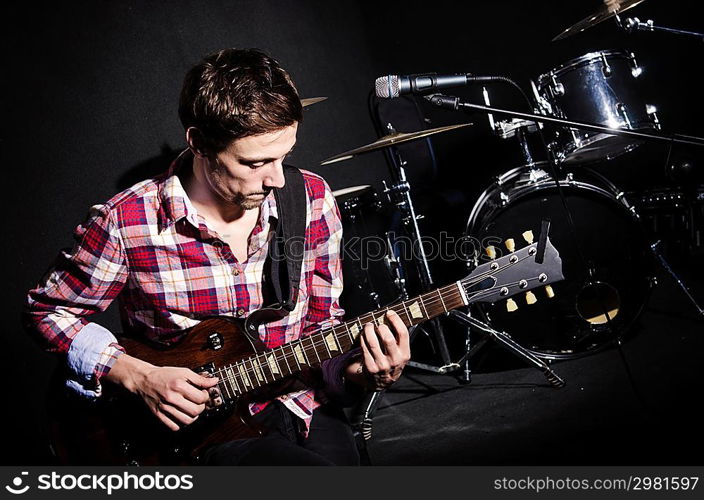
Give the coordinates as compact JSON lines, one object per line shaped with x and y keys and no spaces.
{"x":436,"y":298}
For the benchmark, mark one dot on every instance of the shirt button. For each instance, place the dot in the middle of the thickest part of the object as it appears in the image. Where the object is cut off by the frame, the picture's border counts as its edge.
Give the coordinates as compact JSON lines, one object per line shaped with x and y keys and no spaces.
{"x":240,"y":312}
{"x":236,"y":271}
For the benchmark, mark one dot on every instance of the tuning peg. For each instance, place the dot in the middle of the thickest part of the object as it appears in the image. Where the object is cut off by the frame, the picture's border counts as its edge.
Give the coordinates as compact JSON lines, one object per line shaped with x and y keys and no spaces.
{"x":491,"y":252}
{"x":511,"y":305}
{"x":528,"y":236}
{"x":531,"y":298}
{"x":510,"y":244}
{"x":549,"y":291}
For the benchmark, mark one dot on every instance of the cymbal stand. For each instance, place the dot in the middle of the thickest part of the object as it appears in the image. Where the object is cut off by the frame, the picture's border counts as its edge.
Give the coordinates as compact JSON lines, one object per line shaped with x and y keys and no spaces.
{"x":399,"y":193}
{"x":632,"y":24}
{"x":661,"y":259}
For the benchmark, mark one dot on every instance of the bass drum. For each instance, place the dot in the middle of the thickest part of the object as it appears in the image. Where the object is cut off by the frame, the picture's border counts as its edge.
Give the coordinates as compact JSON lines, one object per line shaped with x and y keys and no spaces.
{"x":606,"y":261}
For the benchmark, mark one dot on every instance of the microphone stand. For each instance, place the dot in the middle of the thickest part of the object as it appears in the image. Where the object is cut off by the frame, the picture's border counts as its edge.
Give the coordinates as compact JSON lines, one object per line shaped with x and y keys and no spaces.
{"x":455,"y":103}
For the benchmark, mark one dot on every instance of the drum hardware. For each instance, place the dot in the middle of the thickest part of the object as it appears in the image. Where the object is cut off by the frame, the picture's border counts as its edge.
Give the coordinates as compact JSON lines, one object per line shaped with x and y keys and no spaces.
{"x":637,"y":134}
{"x":633,"y":24}
{"x":596,"y":302}
{"x":611,"y":8}
{"x":399,"y":194}
{"x":661,"y":259}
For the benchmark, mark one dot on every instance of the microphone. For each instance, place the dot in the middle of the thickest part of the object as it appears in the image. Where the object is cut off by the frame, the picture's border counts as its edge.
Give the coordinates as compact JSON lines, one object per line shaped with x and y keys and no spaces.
{"x":391,"y":86}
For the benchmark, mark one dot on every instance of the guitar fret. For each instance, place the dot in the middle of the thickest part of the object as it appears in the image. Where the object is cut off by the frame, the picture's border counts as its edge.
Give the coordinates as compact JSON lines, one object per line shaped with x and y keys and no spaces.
{"x":258,"y":369}
{"x":408,"y":321}
{"x":264,"y":366}
{"x":245,"y":376}
{"x":324,"y":342}
{"x":441,"y":300}
{"x":329,"y":342}
{"x":347,"y":329}
{"x":252,"y":370}
{"x":223,"y":381}
{"x":283,"y":355}
{"x":301,"y":351}
{"x":273,"y":365}
{"x":234,"y":378}
{"x":293,"y":355}
{"x":315,"y":349}
{"x":422,"y":303}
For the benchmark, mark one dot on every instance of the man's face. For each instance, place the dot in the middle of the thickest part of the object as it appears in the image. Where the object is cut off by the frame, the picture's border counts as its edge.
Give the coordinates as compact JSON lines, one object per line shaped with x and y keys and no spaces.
{"x":247,"y":170}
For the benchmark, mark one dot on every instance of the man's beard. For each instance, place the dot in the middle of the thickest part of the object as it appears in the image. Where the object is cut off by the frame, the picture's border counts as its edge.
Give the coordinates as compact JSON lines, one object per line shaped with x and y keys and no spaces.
{"x":250,"y":201}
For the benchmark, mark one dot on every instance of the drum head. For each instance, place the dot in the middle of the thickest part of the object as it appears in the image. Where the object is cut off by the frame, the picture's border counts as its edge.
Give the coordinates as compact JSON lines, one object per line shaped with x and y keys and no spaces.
{"x":606,"y":265}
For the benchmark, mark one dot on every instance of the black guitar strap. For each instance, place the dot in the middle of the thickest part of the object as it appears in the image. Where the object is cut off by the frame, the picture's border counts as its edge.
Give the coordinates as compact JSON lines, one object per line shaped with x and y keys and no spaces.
{"x":287,"y":247}
{"x":282,"y":269}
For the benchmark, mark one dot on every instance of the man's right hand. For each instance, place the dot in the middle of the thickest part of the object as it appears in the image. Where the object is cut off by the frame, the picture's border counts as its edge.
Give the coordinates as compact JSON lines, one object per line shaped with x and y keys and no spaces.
{"x":175,"y":395}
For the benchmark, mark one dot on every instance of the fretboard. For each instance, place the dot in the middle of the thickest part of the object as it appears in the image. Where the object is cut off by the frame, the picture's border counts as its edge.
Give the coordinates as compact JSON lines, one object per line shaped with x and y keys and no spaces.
{"x":275,"y":364}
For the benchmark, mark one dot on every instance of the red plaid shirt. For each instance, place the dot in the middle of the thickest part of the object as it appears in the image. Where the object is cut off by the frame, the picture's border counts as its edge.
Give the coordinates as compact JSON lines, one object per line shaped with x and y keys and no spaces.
{"x":149,"y":248}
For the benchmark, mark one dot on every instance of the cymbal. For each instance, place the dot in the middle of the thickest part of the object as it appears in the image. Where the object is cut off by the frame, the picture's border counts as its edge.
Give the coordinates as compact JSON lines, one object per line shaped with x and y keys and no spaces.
{"x":352,"y":189}
{"x":311,"y":100}
{"x":391,"y":140}
{"x":606,"y":11}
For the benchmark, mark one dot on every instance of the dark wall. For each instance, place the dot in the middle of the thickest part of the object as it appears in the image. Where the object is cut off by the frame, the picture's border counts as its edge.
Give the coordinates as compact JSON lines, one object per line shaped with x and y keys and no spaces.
{"x":91,"y":90}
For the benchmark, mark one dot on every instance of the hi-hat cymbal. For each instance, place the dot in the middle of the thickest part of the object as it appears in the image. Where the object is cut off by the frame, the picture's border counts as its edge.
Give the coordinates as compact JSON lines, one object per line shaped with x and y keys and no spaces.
{"x":311,"y":100}
{"x":606,"y":11}
{"x":391,"y":140}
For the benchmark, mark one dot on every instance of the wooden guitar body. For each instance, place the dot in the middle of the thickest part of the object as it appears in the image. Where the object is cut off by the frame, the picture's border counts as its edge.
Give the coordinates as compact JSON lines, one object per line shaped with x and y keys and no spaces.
{"x":118,"y":428}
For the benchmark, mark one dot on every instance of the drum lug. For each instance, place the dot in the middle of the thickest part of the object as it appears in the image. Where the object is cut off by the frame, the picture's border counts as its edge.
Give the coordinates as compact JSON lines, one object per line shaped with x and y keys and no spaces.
{"x":557,"y":88}
{"x":652,"y":111}
{"x":605,"y":68}
{"x":621,"y":109}
{"x":636,"y":71}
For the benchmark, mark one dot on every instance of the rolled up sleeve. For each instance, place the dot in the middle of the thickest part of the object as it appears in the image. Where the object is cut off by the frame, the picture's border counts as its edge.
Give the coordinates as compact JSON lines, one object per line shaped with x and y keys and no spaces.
{"x":82,"y":282}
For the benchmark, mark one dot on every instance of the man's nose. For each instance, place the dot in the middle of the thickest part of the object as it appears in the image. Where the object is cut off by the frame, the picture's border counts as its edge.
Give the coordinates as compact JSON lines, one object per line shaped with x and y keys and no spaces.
{"x":275,"y":178}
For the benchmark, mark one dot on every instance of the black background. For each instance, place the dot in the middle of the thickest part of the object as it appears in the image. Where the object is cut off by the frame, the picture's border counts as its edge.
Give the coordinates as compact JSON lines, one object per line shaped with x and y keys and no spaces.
{"x":91,"y":87}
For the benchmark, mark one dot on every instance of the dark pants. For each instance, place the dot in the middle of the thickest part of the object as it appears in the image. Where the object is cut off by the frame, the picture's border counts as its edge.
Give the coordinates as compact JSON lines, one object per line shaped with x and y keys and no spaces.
{"x":329,"y":442}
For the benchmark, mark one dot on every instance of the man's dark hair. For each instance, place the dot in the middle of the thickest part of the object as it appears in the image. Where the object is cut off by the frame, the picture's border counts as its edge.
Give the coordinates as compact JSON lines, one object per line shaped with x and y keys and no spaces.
{"x":236,"y":93}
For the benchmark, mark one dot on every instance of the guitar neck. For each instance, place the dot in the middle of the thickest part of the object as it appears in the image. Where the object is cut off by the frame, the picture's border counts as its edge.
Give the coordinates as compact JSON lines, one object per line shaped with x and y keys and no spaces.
{"x":275,"y":364}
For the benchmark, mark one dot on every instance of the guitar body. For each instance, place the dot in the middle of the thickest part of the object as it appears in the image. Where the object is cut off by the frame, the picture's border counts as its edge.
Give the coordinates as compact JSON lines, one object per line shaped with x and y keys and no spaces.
{"x":119,"y":429}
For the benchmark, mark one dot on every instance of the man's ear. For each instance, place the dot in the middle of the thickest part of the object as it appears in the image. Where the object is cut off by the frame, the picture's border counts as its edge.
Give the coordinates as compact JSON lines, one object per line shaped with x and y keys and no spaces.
{"x":196,"y":143}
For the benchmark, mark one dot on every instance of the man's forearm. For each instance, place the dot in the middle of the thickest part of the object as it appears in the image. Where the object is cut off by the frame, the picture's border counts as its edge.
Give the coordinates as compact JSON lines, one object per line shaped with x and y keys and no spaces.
{"x":128,"y":372}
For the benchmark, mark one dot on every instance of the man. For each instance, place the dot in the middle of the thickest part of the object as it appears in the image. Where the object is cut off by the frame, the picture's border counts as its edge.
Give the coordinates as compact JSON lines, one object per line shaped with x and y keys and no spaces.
{"x":193,"y":243}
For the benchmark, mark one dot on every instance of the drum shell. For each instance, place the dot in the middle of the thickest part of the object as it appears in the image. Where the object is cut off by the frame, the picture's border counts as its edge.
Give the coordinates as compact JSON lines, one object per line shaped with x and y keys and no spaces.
{"x":368,"y":282}
{"x":600,"y":88}
{"x":606,"y":249}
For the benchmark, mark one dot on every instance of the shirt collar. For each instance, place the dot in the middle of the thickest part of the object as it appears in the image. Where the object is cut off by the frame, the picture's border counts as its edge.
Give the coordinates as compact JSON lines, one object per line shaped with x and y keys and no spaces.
{"x":175,"y":205}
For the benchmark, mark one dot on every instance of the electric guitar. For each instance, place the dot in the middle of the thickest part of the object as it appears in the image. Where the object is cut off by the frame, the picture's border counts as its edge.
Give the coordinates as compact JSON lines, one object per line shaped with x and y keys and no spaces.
{"x":118,"y":428}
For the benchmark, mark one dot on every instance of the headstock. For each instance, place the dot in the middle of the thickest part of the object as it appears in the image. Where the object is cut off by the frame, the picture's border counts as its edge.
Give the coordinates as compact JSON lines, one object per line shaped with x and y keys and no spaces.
{"x":517,"y":273}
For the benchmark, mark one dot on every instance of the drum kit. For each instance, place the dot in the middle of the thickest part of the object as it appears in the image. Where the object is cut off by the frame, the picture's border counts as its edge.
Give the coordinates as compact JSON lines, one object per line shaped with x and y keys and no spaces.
{"x":586,"y":111}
